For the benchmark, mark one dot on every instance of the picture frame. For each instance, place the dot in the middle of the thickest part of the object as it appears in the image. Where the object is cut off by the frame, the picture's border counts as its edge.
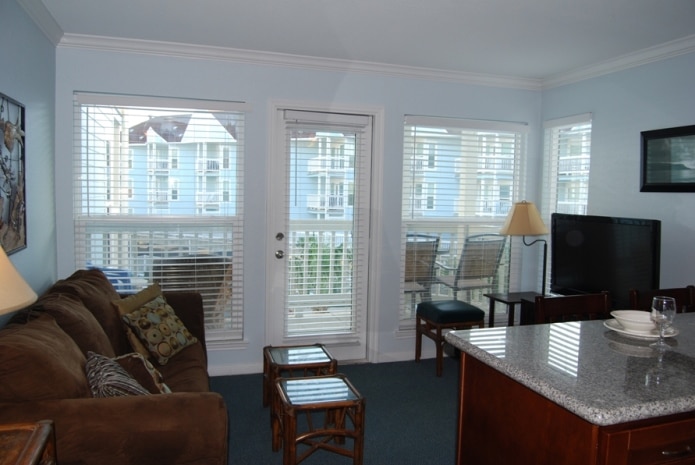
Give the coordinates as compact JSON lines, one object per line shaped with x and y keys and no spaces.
{"x":668,"y":160}
{"x":13,"y":231}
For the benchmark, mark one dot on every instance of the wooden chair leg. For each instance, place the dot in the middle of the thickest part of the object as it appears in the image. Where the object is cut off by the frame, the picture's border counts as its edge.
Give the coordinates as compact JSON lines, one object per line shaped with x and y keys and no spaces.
{"x":440,"y":350}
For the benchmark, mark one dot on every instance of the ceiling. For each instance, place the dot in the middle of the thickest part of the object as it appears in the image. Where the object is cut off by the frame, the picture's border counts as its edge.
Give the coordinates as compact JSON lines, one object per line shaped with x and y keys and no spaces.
{"x":528,"y":39}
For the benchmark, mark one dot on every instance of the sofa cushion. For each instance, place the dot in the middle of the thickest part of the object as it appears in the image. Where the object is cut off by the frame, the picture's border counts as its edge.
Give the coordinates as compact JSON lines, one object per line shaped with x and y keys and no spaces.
{"x":144,"y":372}
{"x":187,"y":373}
{"x":107,"y":378}
{"x":39,"y":361}
{"x":159,"y":329}
{"x":77,"y":321}
{"x":134,"y":302}
{"x":97,"y":293}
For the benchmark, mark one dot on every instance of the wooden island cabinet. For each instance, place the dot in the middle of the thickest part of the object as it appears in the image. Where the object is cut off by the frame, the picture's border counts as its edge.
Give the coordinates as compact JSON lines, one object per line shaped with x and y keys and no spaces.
{"x":575,"y":394}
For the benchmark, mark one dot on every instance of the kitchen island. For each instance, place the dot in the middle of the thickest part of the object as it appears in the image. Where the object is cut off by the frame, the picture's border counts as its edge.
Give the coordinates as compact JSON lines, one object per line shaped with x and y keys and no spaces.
{"x":575,"y":393}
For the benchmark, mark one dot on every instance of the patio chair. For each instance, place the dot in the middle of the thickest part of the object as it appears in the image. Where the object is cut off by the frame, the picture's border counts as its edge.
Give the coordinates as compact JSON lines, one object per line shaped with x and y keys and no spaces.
{"x":477,"y":267}
{"x":420,"y":257}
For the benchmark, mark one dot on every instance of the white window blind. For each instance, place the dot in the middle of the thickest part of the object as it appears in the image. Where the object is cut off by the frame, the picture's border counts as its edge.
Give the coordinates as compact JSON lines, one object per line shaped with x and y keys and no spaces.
{"x":566,"y":168}
{"x":567,"y":164}
{"x":158,"y":197}
{"x":327,"y":177}
{"x":460,"y":178}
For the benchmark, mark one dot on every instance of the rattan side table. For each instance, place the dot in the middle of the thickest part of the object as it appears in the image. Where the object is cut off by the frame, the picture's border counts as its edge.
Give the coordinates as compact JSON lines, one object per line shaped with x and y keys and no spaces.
{"x":289,"y":361}
{"x":334,"y":417}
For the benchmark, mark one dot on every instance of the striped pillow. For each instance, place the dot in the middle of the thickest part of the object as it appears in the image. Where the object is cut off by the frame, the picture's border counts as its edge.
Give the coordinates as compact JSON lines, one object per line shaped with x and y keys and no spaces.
{"x":107,"y":378}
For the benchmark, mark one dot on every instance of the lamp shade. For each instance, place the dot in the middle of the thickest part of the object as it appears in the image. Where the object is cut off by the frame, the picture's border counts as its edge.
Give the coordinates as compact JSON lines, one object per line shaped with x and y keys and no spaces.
{"x":523,"y":220}
{"x":15,"y":293}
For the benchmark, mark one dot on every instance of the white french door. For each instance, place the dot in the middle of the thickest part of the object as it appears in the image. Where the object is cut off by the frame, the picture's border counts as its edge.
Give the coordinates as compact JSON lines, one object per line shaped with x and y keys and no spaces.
{"x":318,"y":219}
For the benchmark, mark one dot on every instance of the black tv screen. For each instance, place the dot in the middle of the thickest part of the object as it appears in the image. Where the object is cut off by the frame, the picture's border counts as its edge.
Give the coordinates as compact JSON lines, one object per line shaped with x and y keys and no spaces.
{"x":600,"y":253}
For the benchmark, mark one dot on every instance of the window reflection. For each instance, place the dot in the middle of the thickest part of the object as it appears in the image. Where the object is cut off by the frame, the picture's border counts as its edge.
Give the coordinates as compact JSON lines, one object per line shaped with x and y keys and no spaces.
{"x":563,"y":347}
{"x":306,"y":355}
{"x":492,"y":340}
{"x":307,"y":391}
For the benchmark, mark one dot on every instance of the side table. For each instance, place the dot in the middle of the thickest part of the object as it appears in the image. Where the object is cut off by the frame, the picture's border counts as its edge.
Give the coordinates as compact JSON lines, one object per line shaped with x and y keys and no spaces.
{"x":27,"y":444}
{"x":510,"y":299}
{"x":334,"y":414}
{"x":289,"y":361}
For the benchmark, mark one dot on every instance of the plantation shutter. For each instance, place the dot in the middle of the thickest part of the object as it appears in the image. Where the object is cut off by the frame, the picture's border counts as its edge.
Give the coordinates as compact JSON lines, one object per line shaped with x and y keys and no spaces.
{"x":327,"y":218}
{"x":158,"y":197}
{"x":460,"y":178}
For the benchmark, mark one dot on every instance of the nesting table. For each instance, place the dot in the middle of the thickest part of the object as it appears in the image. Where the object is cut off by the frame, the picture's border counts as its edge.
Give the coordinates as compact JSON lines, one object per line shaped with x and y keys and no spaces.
{"x":318,"y":412}
{"x":289,"y":361}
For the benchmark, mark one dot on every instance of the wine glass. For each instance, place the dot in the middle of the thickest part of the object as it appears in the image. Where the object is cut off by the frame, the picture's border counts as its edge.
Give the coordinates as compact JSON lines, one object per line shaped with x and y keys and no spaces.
{"x":663,"y":311}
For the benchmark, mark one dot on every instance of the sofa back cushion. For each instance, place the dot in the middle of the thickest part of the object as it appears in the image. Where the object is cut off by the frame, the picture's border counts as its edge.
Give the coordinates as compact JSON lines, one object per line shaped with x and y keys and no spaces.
{"x":95,"y":291}
{"x":77,"y":321}
{"x":39,"y":361}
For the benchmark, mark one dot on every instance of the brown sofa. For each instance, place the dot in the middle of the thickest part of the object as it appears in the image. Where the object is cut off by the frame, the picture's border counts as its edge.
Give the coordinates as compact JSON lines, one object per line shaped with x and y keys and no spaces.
{"x":43,"y":354}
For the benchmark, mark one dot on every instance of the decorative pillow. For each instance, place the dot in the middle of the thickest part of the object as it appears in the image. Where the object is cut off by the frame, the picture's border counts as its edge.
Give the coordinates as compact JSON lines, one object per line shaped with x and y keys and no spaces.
{"x":159,"y":329}
{"x":107,"y":378}
{"x":134,"y":302}
{"x":38,"y":361}
{"x":144,"y":372}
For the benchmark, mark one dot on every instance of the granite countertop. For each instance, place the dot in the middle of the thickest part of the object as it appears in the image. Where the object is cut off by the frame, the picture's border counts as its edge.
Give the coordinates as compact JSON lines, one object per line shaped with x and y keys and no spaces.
{"x":601,"y":375}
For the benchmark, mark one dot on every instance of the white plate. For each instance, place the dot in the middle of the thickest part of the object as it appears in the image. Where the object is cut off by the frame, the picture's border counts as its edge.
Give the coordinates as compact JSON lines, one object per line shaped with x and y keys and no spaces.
{"x":652,"y":334}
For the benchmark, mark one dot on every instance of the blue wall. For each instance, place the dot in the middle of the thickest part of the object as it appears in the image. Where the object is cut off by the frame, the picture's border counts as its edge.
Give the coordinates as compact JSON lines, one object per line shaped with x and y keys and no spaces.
{"x":28,"y":76}
{"x":653,"y":96}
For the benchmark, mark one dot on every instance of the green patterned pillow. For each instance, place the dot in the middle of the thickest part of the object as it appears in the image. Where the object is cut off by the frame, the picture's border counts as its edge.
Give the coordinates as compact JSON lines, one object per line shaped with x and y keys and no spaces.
{"x":159,"y":329}
{"x":107,"y":378}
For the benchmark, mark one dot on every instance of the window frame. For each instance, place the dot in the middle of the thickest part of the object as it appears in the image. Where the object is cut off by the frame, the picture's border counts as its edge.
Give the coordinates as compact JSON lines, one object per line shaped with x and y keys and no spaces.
{"x":492,"y":139}
{"x":229,"y":225}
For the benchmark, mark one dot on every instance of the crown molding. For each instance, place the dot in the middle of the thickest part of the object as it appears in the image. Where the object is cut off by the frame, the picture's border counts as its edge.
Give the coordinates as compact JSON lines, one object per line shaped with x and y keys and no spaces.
{"x":191,"y":51}
{"x":43,"y":19}
{"x":631,"y":60}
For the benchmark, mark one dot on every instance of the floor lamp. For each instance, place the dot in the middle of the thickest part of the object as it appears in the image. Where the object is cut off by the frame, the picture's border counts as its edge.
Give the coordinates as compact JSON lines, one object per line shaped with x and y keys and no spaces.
{"x":15,"y":293}
{"x":524,"y":220}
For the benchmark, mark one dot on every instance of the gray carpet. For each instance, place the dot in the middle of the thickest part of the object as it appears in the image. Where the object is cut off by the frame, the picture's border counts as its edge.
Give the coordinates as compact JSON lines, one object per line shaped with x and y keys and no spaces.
{"x":410,"y":415}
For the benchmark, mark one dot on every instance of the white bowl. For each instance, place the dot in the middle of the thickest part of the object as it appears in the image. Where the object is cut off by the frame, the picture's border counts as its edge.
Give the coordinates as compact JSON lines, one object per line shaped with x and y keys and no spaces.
{"x":634,"y":320}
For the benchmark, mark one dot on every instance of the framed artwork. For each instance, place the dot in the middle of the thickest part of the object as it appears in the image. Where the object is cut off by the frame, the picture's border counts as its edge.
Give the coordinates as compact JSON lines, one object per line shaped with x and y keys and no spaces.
{"x":668,"y":160}
{"x":13,"y":230}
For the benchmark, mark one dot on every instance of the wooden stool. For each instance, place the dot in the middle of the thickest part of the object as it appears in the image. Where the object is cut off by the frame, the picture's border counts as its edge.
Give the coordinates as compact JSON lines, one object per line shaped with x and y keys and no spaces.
{"x":431,"y":317}
{"x":334,"y":412}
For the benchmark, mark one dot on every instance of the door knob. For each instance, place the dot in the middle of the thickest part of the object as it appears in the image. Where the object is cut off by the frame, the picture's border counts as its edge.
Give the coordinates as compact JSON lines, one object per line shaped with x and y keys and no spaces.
{"x":279,"y":254}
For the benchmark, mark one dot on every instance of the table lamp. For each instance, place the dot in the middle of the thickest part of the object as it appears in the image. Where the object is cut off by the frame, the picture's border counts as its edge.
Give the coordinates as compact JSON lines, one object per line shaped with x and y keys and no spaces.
{"x":524,"y":220}
{"x":15,"y":293}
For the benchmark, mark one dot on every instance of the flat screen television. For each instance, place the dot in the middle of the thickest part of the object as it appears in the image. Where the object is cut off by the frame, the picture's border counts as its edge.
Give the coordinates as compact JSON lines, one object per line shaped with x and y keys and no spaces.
{"x":600,"y":253}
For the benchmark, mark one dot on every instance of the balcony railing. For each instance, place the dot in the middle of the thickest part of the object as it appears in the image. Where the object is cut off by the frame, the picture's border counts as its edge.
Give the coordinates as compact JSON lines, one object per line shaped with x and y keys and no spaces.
{"x":208,"y":165}
{"x":320,"y":262}
{"x":320,"y":165}
{"x":319,"y":202}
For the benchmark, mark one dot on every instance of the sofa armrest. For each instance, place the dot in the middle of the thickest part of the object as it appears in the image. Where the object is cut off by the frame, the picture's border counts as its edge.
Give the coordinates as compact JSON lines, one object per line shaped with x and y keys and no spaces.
{"x":156,"y":429}
{"x":189,"y":307}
